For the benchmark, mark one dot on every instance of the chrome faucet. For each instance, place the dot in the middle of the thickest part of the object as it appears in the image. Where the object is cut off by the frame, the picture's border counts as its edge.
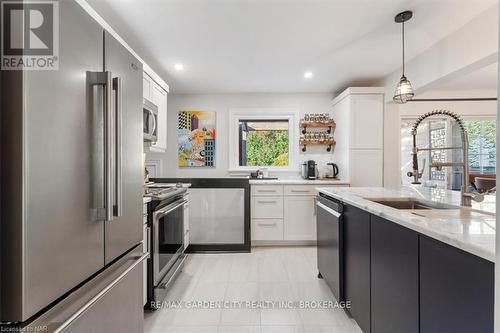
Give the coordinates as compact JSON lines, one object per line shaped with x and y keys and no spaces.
{"x":416,"y":174}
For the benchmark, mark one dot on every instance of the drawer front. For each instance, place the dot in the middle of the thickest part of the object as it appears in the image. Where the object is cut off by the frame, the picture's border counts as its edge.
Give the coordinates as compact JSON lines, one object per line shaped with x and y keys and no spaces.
{"x":300,"y":190}
{"x":267,"y":190}
{"x":267,"y":229}
{"x":267,"y":207}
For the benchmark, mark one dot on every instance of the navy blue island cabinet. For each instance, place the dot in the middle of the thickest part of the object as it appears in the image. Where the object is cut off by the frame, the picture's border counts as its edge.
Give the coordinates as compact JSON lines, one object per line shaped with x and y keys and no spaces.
{"x":357,"y":264}
{"x":456,"y":290}
{"x":394,"y":277}
{"x":398,"y":280}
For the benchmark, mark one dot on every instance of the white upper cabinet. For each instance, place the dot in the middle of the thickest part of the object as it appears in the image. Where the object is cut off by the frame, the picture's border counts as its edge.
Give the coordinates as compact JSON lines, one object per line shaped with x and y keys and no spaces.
{"x":367,"y":112}
{"x":146,"y":86}
{"x":158,"y":96}
{"x":359,"y":114}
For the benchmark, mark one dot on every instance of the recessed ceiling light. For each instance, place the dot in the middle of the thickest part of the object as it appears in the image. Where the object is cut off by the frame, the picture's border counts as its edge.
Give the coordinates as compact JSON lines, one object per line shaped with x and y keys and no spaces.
{"x":179,"y":67}
{"x":308,"y":75}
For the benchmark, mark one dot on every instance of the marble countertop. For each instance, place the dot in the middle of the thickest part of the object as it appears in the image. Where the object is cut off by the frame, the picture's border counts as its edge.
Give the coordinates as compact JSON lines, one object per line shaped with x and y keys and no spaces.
{"x":297,"y":181}
{"x":469,"y":229}
{"x":145,"y":200}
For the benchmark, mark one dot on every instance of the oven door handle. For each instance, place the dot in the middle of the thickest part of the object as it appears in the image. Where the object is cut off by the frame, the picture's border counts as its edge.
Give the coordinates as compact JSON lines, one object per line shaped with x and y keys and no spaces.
{"x":170,"y":208}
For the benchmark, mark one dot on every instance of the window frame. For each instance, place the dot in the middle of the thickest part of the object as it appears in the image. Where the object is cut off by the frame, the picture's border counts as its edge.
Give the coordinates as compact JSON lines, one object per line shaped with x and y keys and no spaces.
{"x":481,"y":119}
{"x":290,"y":115}
{"x":409,"y":116}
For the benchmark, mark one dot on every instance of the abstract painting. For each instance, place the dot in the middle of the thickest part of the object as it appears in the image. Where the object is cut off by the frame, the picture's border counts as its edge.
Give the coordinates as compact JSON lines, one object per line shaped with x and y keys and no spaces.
{"x":196,"y":138}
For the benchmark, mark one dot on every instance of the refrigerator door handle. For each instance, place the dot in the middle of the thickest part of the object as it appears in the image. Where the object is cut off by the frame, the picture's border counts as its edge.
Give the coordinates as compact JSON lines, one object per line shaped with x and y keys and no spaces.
{"x":108,"y":162}
{"x":104,"y":79}
{"x":117,"y":87}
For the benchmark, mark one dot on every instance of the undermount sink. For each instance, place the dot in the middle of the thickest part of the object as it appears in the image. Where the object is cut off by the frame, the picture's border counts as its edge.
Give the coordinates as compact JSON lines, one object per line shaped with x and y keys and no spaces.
{"x":408,"y":203}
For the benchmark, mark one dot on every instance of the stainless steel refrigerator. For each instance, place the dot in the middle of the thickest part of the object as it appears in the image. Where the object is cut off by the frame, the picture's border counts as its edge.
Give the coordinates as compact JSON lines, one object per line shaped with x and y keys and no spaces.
{"x":71,"y":180}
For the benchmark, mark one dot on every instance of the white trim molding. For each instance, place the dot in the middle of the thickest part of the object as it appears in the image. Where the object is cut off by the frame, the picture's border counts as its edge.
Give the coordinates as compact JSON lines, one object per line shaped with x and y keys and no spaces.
{"x":290,"y":114}
{"x":155,"y":168}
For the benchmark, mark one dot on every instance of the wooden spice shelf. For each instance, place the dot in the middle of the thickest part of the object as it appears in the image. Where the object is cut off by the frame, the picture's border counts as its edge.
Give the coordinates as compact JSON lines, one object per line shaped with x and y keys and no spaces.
{"x":329,"y":123}
{"x":317,"y":124}
{"x":329,"y":143}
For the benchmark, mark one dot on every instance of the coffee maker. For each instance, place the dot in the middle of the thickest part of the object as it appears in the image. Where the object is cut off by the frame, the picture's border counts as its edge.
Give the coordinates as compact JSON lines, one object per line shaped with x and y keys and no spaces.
{"x":312,"y":170}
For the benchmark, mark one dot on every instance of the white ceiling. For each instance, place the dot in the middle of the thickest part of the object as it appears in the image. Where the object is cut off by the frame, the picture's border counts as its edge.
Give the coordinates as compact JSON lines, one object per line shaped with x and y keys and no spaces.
{"x":267,"y":45}
{"x":481,"y":79}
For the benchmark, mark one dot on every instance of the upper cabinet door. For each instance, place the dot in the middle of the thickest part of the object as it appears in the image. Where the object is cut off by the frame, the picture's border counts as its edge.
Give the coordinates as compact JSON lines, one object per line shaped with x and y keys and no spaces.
{"x":367,"y":121}
{"x":159,"y":97}
{"x":146,"y":86}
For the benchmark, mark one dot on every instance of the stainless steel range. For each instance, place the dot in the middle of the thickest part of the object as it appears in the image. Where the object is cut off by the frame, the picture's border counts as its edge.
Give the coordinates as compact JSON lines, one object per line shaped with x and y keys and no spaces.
{"x":166,"y":220}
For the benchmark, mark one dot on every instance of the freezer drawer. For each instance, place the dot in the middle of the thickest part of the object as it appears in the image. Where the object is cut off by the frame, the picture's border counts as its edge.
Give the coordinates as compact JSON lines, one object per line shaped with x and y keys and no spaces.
{"x":110,"y":302}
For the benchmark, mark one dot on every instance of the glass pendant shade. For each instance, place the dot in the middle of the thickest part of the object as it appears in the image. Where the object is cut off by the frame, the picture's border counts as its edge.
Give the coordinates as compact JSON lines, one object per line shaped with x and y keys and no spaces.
{"x":404,"y":91}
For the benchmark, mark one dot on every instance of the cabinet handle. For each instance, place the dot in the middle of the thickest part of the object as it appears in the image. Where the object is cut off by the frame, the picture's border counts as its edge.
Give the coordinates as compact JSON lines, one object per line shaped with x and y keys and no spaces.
{"x":267,"y":224}
{"x":300,"y":191}
{"x":266,"y":191}
{"x":267,"y":202}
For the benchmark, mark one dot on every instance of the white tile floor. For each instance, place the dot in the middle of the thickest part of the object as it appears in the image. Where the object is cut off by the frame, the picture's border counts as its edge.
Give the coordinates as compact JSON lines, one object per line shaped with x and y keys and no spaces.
{"x":266,"y":274}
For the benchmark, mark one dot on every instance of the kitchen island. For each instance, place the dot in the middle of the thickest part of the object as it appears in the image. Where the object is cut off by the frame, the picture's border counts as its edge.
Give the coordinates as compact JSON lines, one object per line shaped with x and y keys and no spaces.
{"x":414,"y":260}
{"x":470,"y":229}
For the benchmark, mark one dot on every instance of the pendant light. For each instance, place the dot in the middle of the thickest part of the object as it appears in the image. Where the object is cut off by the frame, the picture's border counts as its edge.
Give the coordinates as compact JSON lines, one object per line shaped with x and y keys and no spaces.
{"x":404,"y":90}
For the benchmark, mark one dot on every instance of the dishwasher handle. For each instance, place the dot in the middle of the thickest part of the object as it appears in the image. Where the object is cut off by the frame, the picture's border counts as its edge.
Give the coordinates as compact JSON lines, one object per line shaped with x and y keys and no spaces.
{"x":328,"y":209}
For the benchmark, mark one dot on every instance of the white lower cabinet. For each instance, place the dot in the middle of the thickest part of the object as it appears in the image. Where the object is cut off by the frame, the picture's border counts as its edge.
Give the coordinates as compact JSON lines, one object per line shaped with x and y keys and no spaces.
{"x":267,"y":229}
{"x":267,"y":207}
{"x":300,"y":218}
{"x":286,"y":218}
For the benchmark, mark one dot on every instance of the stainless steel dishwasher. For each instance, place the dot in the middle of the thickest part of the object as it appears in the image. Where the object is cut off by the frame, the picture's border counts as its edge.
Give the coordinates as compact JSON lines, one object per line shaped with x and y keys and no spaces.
{"x":329,"y":228}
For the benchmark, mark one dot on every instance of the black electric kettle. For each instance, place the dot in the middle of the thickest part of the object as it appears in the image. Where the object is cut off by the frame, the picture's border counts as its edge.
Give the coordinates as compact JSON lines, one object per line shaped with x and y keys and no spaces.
{"x":335,"y":170}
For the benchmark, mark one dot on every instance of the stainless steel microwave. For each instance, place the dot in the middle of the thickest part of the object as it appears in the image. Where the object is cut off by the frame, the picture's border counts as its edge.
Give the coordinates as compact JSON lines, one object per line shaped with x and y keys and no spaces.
{"x":150,"y":121}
